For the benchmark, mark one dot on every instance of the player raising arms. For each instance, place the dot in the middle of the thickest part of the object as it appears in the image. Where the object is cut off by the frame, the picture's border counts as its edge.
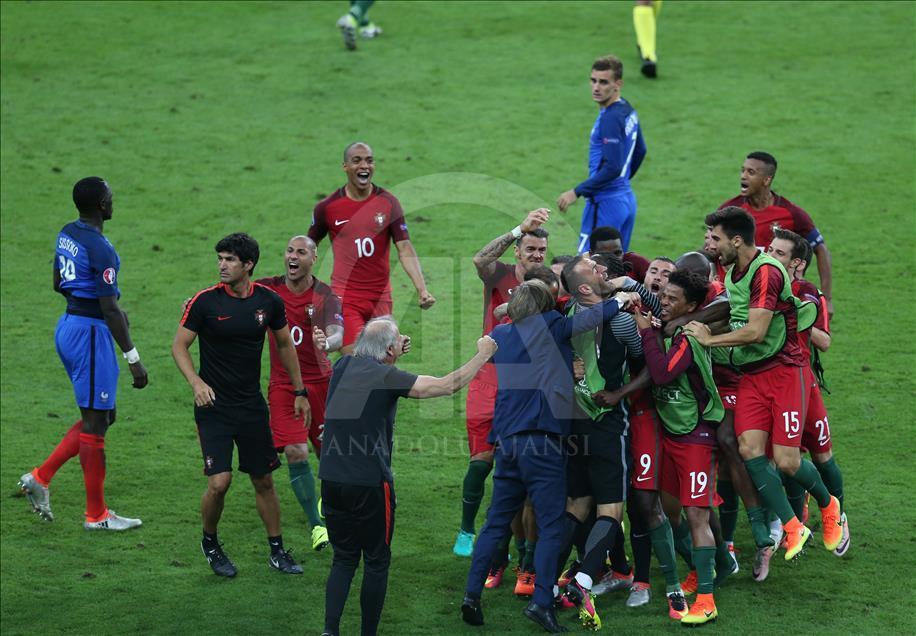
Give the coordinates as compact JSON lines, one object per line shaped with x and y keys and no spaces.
{"x":792,"y":251}
{"x":362,"y":220}
{"x":775,"y":388}
{"x":615,"y":151}
{"x":499,"y":279}
{"x":316,"y":328}
{"x":86,"y":273}
{"x":772,"y":210}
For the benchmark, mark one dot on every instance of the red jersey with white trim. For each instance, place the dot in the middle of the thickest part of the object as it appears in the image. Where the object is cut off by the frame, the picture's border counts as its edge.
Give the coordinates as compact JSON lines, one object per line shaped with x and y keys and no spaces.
{"x":806,"y":291}
{"x":765,"y":288}
{"x":317,"y":306}
{"x":497,"y":289}
{"x":783,"y":213}
{"x":361,"y":235}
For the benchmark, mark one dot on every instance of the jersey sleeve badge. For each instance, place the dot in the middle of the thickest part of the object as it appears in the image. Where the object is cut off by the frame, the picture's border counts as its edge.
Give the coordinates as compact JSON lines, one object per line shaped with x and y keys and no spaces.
{"x":110,"y":275}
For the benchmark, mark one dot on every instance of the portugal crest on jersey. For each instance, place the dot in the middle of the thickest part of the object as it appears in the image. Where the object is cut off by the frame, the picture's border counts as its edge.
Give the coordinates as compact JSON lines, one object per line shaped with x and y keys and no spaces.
{"x":310,"y":310}
{"x":380,"y":220}
{"x":260,"y":316}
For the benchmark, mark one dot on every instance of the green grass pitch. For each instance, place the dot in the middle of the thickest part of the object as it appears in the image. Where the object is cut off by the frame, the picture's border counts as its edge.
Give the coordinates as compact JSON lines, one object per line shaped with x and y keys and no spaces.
{"x":208,"y":118}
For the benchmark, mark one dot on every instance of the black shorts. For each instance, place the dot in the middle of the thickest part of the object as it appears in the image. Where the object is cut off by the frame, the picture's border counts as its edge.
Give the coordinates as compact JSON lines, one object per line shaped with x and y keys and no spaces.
{"x":599,"y":460}
{"x":360,"y":521}
{"x":248,"y":427}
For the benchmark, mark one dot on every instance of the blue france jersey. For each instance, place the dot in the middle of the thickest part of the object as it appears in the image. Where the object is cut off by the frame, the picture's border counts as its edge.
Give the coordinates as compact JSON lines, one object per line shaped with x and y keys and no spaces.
{"x":615,"y":150}
{"x":88,"y":266}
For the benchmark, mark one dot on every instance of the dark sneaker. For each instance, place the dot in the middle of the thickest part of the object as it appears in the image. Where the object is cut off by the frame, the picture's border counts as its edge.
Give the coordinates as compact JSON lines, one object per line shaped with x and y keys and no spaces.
{"x":545,"y":617}
{"x":282,"y":561}
{"x":219,"y":562}
{"x":471,"y":612}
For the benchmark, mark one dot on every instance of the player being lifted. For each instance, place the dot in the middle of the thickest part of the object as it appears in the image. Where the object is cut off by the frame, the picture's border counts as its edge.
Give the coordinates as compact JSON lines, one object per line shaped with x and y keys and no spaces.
{"x":316,"y":328}
{"x":86,"y":272}
{"x":775,"y":388}
{"x":793,"y":252}
{"x":362,"y":220}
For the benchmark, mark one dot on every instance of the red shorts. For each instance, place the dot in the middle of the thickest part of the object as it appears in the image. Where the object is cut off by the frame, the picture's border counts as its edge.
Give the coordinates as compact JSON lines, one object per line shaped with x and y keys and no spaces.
{"x":775,"y":401}
{"x":479,"y":415}
{"x":816,"y":437}
{"x":287,"y":429}
{"x":646,"y":448}
{"x":358,"y":311}
{"x":729,"y":395}
{"x":689,"y":473}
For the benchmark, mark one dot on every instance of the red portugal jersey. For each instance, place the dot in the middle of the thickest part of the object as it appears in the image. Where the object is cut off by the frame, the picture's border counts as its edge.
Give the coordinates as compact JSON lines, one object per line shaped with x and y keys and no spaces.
{"x":783,"y":213}
{"x":316,"y":307}
{"x":765,"y":288}
{"x":497,"y":289}
{"x":361,"y":235}
{"x":805,"y":290}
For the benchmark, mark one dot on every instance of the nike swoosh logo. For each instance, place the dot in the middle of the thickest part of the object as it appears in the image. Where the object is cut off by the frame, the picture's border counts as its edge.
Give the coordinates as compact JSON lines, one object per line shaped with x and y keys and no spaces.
{"x":341,"y":222}
{"x":697,"y":496}
{"x":643,"y":478}
{"x":792,"y":436}
{"x":223,"y":317}
{"x":708,"y":614}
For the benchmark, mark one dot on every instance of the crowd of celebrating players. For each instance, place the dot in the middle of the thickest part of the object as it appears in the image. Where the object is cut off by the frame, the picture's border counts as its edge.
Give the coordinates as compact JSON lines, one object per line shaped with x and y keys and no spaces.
{"x":604,"y":384}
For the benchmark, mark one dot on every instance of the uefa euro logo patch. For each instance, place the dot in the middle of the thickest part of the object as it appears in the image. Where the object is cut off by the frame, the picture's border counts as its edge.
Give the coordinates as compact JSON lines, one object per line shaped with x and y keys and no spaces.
{"x":110,"y":275}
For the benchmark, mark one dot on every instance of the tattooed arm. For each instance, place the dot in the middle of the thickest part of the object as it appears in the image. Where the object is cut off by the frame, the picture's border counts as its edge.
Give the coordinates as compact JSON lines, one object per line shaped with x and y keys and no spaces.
{"x":485,"y":260}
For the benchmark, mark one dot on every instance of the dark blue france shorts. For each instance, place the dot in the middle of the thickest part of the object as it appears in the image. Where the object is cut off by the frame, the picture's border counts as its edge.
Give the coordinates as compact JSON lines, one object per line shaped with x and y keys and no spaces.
{"x":86,"y":348}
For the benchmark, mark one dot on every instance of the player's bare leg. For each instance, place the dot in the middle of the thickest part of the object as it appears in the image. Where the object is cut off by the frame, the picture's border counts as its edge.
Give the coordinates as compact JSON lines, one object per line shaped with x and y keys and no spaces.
{"x":211,"y":509}
{"x":268,"y":505}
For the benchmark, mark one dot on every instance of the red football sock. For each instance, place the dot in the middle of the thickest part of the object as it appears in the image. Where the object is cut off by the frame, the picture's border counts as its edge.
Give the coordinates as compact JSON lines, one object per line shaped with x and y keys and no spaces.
{"x":68,"y":447}
{"x":92,"y":459}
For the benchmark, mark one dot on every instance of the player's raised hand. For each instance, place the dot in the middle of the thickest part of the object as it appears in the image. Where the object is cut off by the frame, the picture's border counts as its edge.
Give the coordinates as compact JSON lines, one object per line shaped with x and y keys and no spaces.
{"x":699,"y":331}
{"x":138,"y":371}
{"x":302,"y":409}
{"x":535,"y":219}
{"x":319,"y":339}
{"x":427,"y":300}
{"x":566,"y":199}
{"x":203,"y":394}
{"x":487,"y":346}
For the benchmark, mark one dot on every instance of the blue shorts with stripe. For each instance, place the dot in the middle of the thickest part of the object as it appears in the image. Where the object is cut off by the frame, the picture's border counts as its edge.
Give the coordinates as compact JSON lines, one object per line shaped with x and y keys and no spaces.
{"x":617,"y":209}
{"x":86,"y":348}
